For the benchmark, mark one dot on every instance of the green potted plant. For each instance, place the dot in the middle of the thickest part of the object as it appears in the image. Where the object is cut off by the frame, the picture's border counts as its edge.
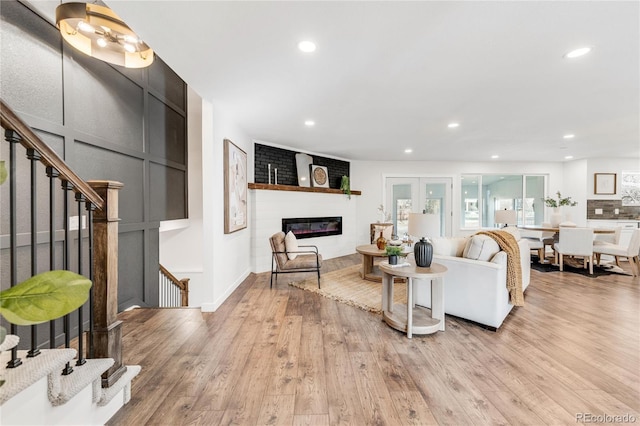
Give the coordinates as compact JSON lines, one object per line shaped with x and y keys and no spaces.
{"x":345,"y":186}
{"x":393,"y":252}
{"x":559,"y":202}
{"x":556,"y":204}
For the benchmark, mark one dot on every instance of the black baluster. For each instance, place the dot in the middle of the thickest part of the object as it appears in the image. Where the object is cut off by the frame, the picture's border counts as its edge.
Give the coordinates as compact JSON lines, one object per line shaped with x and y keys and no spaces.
{"x":34,"y":156}
{"x":81,"y":361}
{"x":66,"y":186}
{"x":53,"y":175}
{"x":90,"y":209}
{"x":13,"y":138}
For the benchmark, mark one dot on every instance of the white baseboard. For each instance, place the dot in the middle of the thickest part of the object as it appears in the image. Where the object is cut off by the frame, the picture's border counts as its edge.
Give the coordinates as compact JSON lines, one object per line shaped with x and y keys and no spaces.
{"x":212,"y":307}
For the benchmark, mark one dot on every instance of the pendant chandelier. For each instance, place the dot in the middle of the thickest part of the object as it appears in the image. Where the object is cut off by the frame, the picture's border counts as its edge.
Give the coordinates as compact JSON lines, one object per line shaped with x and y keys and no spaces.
{"x":98,"y":32}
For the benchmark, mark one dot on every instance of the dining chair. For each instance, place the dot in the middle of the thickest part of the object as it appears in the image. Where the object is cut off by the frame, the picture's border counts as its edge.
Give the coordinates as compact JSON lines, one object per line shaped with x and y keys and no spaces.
{"x":539,"y":240}
{"x":609,"y":238}
{"x":575,"y":242}
{"x":618,"y":251}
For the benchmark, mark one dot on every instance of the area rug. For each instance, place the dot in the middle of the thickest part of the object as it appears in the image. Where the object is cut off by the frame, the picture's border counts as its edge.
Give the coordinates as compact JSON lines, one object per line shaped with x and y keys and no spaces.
{"x":576,"y":266}
{"x":346,"y":286}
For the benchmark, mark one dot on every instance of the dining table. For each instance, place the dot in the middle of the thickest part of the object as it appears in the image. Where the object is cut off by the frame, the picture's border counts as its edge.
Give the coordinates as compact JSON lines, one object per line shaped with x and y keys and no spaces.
{"x":556,"y":229}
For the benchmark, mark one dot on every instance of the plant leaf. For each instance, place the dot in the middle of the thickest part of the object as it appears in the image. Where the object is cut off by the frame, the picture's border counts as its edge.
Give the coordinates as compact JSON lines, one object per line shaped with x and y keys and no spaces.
{"x":44,"y":297}
{"x":3,"y":172}
{"x":3,"y":334}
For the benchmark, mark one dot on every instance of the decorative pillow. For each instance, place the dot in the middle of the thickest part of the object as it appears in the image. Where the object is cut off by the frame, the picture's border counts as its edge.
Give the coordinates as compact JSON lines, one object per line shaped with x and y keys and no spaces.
{"x":291,"y":244}
{"x":480,"y":247}
{"x":444,"y":246}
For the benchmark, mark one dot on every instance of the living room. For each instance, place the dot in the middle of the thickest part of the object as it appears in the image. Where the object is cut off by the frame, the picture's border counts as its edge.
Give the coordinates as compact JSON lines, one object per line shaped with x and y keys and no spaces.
{"x":221,"y":266}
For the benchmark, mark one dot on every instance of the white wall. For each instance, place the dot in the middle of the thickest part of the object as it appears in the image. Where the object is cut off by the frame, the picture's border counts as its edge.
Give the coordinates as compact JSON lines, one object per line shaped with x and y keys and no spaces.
{"x":575,"y":177}
{"x":369,"y":176}
{"x":269,"y":207}
{"x":197,"y":248}
{"x":225,"y":256}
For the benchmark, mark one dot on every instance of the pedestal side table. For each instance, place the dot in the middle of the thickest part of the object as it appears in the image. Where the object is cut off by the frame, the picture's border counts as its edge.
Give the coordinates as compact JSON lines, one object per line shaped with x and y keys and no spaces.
{"x":413,"y":319}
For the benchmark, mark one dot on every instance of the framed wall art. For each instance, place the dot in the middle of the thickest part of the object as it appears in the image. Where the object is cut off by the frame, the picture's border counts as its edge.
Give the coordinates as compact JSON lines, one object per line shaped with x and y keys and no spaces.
{"x":319,"y":176}
{"x":235,"y":188}
{"x":604,"y":183}
{"x":630,"y":188}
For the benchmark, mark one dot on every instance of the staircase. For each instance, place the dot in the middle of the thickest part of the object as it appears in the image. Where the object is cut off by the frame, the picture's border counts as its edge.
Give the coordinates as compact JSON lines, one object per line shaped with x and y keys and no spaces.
{"x":64,"y":386}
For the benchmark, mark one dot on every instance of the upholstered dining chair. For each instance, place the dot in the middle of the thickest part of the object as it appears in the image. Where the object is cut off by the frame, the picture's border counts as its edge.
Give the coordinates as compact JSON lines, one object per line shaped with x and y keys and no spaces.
{"x":539,"y":240}
{"x":575,"y":242}
{"x":618,"y":251}
{"x":305,"y":258}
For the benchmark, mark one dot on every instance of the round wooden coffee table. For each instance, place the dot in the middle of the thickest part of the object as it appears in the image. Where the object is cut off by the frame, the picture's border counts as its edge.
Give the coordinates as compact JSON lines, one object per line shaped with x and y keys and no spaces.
{"x":369,"y":252}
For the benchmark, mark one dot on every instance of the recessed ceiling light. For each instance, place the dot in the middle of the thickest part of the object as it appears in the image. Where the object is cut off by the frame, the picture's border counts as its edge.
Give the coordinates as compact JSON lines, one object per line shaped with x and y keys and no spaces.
{"x":569,"y":136}
{"x":495,"y":156}
{"x":309,"y":123}
{"x":578,"y":52}
{"x":568,"y":157}
{"x":453,"y":125}
{"x":307,"y":46}
{"x":408,"y":151}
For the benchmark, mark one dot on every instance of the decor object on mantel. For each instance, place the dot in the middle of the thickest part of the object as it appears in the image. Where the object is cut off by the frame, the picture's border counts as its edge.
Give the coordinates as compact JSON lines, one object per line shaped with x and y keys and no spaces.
{"x":303,"y":163}
{"x":556,"y":216}
{"x":423,"y":225}
{"x":98,"y":32}
{"x":319,"y":176}
{"x":345,"y":186}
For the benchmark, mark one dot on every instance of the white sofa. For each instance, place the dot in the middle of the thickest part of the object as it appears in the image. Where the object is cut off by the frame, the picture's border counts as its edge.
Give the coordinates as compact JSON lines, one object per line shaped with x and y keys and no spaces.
{"x":475,"y":290}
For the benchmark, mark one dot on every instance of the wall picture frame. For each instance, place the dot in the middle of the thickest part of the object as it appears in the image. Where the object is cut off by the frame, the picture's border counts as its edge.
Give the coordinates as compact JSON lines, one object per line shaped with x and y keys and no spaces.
{"x":604,"y":183}
{"x":235,"y":188}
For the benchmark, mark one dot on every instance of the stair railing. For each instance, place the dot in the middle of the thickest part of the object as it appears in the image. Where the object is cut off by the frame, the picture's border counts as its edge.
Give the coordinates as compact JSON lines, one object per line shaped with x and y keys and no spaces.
{"x":173,"y":292}
{"x":100,"y":201}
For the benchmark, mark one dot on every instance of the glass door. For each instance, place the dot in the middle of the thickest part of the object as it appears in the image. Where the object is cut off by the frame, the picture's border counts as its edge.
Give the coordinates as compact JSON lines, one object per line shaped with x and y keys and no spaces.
{"x":416,"y":195}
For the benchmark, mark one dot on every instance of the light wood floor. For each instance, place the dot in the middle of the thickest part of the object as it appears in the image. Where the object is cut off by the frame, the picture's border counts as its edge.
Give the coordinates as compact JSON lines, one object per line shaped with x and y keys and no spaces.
{"x":290,"y":357}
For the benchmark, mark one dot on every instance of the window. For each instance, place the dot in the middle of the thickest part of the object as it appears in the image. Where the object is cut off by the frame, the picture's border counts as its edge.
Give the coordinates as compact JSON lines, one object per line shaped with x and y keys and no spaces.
{"x":482,"y":195}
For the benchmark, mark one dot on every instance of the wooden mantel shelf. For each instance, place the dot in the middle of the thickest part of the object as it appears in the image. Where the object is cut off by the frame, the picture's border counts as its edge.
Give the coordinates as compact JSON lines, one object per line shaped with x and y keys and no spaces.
{"x":299,"y":188}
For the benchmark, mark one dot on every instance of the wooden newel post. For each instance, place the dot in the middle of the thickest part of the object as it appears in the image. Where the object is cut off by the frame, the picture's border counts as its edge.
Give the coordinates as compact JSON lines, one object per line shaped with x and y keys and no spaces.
{"x":107,"y":334}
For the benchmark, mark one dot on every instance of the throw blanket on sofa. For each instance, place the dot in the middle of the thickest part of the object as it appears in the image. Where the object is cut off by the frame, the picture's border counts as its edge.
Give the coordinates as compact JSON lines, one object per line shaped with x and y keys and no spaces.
{"x":509,"y":245}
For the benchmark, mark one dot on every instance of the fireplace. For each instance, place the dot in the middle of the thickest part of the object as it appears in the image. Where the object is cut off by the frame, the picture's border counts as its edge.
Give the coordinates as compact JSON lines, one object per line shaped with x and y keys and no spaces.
{"x":309,"y":227}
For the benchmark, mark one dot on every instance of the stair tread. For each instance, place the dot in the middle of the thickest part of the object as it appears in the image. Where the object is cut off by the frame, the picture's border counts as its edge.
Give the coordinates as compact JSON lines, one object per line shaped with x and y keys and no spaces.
{"x":63,"y":388}
{"x":32,"y":369}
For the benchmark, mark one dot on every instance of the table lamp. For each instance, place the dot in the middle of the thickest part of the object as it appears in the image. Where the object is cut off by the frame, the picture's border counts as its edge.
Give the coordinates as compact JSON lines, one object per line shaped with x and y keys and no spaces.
{"x":423,"y":225}
{"x":506,"y":217}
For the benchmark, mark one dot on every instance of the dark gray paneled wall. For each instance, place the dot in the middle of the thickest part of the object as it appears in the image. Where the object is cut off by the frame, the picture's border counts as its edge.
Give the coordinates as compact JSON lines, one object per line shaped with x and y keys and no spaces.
{"x":107,"y":123}
{"x":285,"y":161}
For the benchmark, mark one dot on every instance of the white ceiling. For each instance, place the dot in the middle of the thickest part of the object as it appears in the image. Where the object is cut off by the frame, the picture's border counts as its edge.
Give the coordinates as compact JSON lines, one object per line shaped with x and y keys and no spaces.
{"x":391,"y":75}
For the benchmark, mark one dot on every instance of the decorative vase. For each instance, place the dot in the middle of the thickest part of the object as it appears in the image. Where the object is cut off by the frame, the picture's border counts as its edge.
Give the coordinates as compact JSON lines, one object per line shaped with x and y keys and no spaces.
{"x":381,"y":242}
{"x":393,"y":260}
{"x":556,"y":217}
{"x":423,"y":253}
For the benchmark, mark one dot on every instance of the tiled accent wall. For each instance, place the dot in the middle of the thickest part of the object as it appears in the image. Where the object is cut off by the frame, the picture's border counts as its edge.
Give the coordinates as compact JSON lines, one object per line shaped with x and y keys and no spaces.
{"x":608,"y":210}
{"x":285,"y":161}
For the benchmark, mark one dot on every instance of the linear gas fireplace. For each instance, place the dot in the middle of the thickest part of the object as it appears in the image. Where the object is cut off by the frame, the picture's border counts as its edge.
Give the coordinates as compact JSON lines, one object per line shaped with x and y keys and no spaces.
{"x":308,"y":227}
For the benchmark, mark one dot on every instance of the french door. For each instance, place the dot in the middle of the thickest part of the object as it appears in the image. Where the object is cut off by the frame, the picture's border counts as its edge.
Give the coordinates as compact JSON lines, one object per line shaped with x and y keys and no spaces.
{"x":417,"y":195}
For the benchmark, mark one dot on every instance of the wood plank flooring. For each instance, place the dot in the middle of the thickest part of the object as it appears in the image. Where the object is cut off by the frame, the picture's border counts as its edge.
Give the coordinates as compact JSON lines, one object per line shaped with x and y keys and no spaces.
{"x":284,"y":356}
